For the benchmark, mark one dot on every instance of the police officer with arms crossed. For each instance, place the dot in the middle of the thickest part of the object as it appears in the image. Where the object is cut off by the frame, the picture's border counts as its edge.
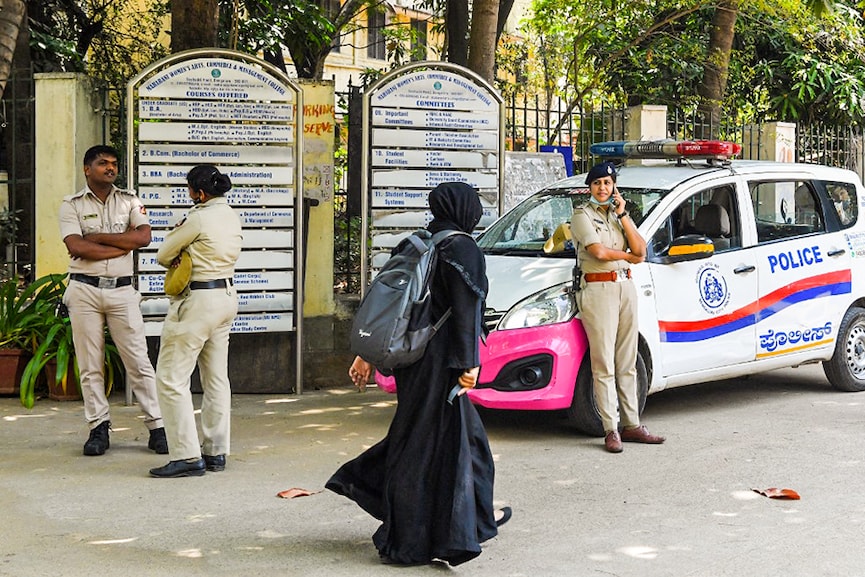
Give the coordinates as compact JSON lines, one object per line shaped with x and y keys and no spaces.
{"x":197,"y":326}
{"x":101,"y":226}
{"x":607,"y":244}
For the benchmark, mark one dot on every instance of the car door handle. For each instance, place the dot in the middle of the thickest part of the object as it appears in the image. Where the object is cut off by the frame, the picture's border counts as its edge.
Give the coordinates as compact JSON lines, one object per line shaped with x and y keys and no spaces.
{"x":838,"y":252}
{"x":744,"y":269}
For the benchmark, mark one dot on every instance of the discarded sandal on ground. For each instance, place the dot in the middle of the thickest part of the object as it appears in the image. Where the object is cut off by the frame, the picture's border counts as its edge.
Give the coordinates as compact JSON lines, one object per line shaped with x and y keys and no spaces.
{"x":506,"y":516}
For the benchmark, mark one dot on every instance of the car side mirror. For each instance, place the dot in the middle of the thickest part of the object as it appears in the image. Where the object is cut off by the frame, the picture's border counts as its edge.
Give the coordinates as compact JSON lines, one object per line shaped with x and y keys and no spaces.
{"x":687,"y":248}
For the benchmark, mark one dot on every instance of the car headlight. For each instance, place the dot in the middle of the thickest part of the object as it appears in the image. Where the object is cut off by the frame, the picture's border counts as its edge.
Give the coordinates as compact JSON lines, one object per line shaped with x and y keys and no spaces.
{"x":550,"y":306}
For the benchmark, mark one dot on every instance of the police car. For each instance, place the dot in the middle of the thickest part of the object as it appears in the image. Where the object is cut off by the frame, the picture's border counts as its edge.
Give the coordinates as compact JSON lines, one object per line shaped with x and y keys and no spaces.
{"x":751,"y":266}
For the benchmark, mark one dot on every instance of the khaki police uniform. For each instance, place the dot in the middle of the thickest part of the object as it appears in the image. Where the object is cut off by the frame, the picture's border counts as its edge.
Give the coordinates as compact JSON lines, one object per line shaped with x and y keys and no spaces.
{"x":102,"y":292}
{"x":608,"y":310}
{"x":196,"y":330}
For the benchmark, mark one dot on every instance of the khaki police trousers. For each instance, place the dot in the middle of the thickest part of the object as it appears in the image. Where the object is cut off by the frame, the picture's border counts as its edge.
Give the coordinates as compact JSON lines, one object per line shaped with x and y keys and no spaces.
{"x":90,"y":309}
{"x":196,"y":330}
{"x":609,"y":314}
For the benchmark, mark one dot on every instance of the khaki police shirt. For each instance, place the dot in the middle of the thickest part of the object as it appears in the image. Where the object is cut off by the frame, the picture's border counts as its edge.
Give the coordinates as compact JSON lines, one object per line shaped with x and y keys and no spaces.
{"x":83,"y":213}
{"x":211,"y":234}
{"x":590,"y":225}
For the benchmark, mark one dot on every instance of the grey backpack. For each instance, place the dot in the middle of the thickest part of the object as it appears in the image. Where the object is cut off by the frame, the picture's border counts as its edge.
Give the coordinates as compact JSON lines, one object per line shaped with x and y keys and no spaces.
{"x":393,"y":324}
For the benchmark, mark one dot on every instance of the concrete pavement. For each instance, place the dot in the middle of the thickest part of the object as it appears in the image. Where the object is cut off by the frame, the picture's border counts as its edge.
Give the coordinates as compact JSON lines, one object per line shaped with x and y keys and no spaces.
{"x":684,"y":508}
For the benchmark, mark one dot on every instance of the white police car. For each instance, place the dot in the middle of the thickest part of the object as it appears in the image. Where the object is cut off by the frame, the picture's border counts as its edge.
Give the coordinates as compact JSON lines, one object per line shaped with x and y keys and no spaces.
{"x":781,"y":283}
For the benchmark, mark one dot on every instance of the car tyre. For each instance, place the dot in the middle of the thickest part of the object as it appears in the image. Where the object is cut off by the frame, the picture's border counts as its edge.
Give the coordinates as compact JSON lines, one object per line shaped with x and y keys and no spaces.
{"x":583,"y":412}
{"x":846,"y":369}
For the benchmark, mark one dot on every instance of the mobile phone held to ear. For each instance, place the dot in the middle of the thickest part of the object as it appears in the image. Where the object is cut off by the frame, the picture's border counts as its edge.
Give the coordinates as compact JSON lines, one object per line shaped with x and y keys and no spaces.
{"x":614,"y":202}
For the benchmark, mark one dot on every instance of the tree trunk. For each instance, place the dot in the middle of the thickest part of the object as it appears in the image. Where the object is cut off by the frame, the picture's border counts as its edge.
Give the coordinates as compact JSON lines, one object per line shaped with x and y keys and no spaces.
{"x":457,"y":22}
{"x":715,"y":71}
{"x":277,"y":58}
{"x":482,"y":39}
{"x":505,"y":7}
{"x":11,"y":17}
{"x":193,"y":24}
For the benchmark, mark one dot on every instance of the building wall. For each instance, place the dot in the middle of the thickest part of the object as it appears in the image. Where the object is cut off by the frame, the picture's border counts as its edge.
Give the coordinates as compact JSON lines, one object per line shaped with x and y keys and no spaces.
{"x":349,"y":63}
{"x":67,"y":124}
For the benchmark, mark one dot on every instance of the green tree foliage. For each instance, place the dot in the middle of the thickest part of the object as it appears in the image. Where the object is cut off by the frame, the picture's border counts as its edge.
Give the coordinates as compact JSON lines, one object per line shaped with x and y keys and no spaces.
{"x":307,"y":29}
{"x":795,"y":68}
{"x":582,"y":47}
{"x":111,"y":40}
{"x":791,"y":60}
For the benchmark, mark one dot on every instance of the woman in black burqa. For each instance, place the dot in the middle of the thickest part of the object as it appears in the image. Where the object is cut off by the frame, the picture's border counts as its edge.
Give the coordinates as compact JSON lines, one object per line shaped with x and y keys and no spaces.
{"x":430,"y":480}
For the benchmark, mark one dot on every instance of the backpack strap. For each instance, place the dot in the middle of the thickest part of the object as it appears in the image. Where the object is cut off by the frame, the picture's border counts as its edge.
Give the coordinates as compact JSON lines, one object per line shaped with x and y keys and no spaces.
{"x":443,"y":234}
{"x":418,"y":241}
{"x":442,"y":320}
{"x":437,"y":238}
{"x":419,"y":245}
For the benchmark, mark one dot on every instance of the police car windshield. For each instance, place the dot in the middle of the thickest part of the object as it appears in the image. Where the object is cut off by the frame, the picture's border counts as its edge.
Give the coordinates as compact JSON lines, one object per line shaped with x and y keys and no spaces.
{"x":530,"y":226}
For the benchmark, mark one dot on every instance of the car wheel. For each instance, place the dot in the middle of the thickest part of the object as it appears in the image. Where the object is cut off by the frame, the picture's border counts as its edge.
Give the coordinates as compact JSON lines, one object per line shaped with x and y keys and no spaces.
{"x":583,"y":412}
{"x":846,"y":369}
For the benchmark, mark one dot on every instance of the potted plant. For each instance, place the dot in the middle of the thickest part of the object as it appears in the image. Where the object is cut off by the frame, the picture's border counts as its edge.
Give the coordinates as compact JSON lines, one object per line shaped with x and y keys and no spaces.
{"x":21,"y":315}
{"x":54,"y":355}
{"x":55,"y":358}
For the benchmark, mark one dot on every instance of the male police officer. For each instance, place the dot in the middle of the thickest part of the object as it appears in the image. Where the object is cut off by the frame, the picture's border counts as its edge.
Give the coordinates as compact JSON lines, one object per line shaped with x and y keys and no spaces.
{"x":101,"y":226}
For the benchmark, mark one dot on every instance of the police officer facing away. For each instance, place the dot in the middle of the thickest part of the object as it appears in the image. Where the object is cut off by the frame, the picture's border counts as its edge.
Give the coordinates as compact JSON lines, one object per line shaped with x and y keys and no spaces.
{"x":197,"y":326}
{"x":101,"y":226}
{"x":608,"y":243}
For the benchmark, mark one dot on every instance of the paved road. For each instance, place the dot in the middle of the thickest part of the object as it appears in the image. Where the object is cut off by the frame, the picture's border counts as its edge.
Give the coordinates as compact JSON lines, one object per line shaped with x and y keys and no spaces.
{"x":683,"y":509}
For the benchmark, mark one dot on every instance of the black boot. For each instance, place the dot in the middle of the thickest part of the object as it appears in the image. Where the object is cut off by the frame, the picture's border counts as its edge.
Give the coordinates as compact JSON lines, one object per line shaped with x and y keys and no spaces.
{"x":98,"y":442}
{"x":158,"y":443}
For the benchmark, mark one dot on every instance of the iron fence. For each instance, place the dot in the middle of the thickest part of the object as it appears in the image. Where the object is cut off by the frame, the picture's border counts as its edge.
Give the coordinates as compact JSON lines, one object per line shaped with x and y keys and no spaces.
{"x":17,"y":179}
{"x":531,"y":125}
{"x":346,"y":205}
{"x":113,"y":110}
{"x":831,"y":146}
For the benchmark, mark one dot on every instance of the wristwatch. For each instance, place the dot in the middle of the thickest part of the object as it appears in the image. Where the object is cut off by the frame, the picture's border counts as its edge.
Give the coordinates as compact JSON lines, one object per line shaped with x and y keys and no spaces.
{"x":623,"y":215}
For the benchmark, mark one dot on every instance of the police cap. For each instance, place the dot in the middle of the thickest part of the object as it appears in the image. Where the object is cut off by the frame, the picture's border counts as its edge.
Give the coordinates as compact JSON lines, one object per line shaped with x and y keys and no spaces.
{"x":601,"y":170}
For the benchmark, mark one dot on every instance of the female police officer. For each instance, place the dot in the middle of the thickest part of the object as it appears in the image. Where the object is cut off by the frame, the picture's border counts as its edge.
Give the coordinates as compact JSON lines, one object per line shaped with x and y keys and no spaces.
{"x":197,"y":326}
{"x":607,"y":244}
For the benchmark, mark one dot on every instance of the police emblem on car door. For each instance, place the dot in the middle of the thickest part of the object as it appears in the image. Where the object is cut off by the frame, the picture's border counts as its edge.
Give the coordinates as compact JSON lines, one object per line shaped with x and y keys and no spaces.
{"x":704,"y":300}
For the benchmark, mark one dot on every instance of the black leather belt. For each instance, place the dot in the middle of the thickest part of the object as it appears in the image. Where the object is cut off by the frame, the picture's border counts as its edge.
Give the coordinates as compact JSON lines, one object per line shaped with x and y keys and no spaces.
{"x":210,"y":284}
{"x":102,"y":281}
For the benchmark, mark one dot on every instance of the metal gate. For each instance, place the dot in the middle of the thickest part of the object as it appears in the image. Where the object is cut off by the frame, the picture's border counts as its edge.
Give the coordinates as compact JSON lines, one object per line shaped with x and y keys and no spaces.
{"x":17,"y":175}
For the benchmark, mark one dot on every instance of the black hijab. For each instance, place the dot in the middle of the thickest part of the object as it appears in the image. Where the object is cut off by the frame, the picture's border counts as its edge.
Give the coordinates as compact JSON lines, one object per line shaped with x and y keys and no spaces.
{"x":456,"y":206}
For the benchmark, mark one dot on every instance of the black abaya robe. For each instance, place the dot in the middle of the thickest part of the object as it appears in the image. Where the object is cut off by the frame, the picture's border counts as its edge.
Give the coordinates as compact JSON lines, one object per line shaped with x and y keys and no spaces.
{"x":430,"y":480}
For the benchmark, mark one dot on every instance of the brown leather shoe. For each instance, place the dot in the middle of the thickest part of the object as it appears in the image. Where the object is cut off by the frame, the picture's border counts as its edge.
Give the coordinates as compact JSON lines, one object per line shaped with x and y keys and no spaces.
{"x":641,"y":435}
{"x":612,"y":442}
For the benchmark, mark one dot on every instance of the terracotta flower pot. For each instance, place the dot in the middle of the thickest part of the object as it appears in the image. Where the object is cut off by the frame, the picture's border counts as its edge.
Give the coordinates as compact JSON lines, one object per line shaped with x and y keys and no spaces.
{"x":55,"y":390}
{"x":12,"y":363}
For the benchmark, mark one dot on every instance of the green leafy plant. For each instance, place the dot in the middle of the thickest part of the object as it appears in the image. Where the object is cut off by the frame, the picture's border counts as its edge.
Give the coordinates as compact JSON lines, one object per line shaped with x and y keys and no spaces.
{"x":55,"y":344}
{"x":52,"y":335}
{"x":22,"y":310}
